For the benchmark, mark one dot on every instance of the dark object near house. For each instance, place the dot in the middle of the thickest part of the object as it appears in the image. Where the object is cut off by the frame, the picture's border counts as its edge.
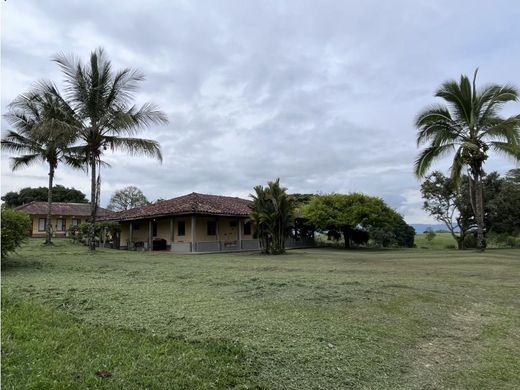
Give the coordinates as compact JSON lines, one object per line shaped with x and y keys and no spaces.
{"x":159,"y":244}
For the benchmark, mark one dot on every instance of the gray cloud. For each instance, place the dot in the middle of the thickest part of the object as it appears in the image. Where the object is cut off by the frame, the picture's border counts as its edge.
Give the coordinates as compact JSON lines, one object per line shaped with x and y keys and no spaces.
{"x":321,"y":94}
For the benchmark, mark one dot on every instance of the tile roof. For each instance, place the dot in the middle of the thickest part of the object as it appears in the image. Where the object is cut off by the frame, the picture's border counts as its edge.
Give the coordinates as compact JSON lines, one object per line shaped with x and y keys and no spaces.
{"x":193,"y":203}
{"x":60,"y":208}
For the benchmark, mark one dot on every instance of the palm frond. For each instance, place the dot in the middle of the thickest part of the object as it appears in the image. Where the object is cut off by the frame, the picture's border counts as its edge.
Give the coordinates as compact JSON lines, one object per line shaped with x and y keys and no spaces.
{"x":428,"y":155}
{"x":507,"y":149}
{"x":24,"y":161}
{"x":135,"y":146}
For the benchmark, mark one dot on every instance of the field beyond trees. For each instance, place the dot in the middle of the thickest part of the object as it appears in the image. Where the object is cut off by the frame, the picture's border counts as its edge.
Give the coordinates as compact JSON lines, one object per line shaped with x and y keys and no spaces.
{"x":312,"y":319}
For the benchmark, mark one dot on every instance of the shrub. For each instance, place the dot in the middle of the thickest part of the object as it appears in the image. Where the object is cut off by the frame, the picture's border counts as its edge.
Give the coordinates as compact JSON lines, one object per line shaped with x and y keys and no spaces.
{"x":15,"y":229}
{"x":79,"y":233}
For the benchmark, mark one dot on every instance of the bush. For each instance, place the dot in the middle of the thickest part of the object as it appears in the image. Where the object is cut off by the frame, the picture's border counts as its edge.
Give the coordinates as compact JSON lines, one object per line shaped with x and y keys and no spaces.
{"x":15,"y":229}
{"x":79,"y":233}
{"x":470,"y":240}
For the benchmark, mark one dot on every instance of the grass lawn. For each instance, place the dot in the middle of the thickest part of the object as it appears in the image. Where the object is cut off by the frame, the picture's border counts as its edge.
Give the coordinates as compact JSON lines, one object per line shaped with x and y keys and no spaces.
{"x":440,"y":241}
{"x":313,"y":319}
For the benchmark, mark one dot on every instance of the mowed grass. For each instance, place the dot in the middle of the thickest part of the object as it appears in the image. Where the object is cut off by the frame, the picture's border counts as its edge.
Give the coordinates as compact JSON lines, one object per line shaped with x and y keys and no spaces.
{"x":312,"y":319}
{"x":440,"y":241}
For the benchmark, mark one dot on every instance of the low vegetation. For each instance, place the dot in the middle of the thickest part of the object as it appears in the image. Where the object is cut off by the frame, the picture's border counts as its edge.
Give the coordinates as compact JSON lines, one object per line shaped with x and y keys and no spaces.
{"x":317,"y":318}
{"x":15,"y":229}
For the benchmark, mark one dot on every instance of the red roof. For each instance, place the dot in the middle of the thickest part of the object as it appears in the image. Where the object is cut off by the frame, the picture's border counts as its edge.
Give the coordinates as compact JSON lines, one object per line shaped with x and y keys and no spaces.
{"x":189,"y":204}
{"x":60,"y":208}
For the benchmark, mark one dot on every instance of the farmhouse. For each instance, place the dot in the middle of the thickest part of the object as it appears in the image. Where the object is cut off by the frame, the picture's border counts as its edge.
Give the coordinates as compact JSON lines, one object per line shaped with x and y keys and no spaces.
{"x":63,"y":216}
{"x":189,"y":223}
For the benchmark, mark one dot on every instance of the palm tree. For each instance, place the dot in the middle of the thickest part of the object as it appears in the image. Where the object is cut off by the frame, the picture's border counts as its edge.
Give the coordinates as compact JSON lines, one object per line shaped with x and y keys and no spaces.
{"x":468,"y":126}
{"x":273,"y":212}
{"x":102,"y":100}
{"x":44,"y":131}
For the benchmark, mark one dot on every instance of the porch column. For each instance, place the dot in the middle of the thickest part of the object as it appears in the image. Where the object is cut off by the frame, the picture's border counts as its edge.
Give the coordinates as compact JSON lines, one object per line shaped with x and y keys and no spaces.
{"x":171,"y":231}
{"x":218,"y":234}
{"x":150,"y":239}
{"x":239,"y":233}
{"x":193,"y":230}
{"x":130,"y":236}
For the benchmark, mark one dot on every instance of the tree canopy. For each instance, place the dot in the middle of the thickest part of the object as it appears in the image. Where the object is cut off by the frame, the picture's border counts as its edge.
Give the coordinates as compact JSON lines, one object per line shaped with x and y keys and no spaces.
{"x":349,"y":213}
{"x":127,"y":198}
{"x":28,"y":194}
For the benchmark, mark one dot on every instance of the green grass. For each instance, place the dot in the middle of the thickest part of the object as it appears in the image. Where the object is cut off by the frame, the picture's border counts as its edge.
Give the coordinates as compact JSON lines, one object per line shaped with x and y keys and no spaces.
{"x":313,"y":319}
{"x":440,"y":241}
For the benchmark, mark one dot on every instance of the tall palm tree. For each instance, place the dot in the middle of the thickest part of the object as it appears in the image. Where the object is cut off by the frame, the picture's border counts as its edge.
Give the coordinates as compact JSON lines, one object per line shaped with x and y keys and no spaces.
{"x":468,"y":126}
{"x":43,"y":131}
{"x":103,"y":102}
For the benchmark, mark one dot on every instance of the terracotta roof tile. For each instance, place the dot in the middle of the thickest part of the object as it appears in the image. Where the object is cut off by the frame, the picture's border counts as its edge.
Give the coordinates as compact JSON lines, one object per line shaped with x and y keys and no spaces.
{"x":193,"y":203}
{"x":60,"y":208}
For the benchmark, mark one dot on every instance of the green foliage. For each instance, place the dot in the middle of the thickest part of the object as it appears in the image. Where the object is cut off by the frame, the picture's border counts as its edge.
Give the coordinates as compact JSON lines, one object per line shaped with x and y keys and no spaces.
{"x":127,"y":198}
{"x":430,"y":234}
{"x":273,"y":213}
{"x":29,"y":194}
{"x":503,"y":206}
{"x":105,"y":231}
{"x":349,"y":213}
{"x":15,"y":229}
{"x":108,"y":118}
{"x":467,"y":127}
{"x":404,"y":234}
{"x":452,"y":205}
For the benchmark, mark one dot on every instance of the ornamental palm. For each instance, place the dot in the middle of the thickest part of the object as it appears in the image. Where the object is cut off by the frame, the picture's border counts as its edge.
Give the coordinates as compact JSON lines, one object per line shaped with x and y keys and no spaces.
{"x":44,"y":131}
{"x":102,"y":100}
{"x":272,"y":211}
{"x":468,"y":126}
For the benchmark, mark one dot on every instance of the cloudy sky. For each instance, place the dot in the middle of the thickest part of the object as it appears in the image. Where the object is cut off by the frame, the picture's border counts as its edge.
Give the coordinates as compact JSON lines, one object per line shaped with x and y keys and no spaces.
{"x":322,"y":94}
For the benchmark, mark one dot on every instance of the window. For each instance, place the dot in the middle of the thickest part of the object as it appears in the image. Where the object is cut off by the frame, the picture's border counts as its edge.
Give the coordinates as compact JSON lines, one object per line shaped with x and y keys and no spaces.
{"x":60,"y":225}
{"x":154,"y":229}
{"x":212,"y":228}
{"x":42,"y":224}
{"x":136,"y":226}
{"x":76,"y":221}
{"x":181,"y":228}
{"x":247,"y":228}
{"x":233,"y":223}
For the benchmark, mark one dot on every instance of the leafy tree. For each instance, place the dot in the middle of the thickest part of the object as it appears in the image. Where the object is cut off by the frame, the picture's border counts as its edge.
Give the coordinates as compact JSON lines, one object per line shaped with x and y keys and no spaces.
{"x":404,"y":234}
{"x":430,"y":234}
{"x":102,"y":100}
{"x":348,"y":213}
{"x":43,"y":133}
{"x":16,"y":226}
{"x":468,"y":126}
{"x":272,"y":211}
{"x":504,"y":205}
{"x":449,"y":204}
{"x":29,"y":194}
{"x":127,"y":198}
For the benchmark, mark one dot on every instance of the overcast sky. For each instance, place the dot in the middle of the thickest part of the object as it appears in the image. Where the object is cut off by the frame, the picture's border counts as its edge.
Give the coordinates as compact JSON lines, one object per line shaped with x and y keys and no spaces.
{"x":322,"y":94}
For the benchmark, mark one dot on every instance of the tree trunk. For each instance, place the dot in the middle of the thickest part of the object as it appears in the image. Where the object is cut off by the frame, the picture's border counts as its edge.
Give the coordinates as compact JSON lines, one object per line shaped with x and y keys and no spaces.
{"x":479,"y":213}
{"x":346,"y":236}
{"x":93,"y":205}
{"x":48,"y":240}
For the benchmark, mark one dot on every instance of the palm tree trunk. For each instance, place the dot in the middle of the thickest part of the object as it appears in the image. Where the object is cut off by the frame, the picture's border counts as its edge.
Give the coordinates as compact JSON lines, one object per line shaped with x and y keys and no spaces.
{"x":477,"y":204}
{"x":93,"y":201}
{"x":479,"y":213}
{"x":48,"y":240}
